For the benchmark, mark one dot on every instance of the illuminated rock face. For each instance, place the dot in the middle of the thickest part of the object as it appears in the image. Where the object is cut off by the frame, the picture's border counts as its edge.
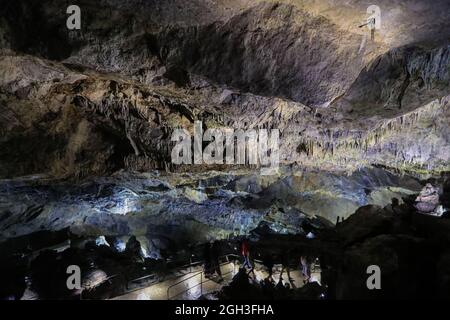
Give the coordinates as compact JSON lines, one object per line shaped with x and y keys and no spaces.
{"x":173,"y":209}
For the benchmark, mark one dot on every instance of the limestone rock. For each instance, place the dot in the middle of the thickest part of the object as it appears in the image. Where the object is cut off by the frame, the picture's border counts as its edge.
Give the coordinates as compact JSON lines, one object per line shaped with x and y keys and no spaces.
{"x":428,"y":199}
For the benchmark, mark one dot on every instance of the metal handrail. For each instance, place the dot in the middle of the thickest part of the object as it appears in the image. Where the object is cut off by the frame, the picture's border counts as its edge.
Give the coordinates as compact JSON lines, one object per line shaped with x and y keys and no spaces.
{"x":107,"y":279}
{"x":196,"y":285}
{"x":128,"y":284}
{"x":201,"y":278}
{"x":181,"y":267}
{"x":154,"y":275}
{"x":184,"y":280}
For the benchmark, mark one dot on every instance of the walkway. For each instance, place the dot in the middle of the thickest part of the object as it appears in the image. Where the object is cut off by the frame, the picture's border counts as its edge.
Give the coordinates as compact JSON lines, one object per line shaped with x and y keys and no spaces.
{"x":193,"y":284}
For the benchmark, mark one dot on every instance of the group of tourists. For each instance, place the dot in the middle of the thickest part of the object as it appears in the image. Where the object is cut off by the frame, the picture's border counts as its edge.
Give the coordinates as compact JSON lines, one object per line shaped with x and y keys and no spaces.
{"x":212,"y":253}
{"x":269,"y":262}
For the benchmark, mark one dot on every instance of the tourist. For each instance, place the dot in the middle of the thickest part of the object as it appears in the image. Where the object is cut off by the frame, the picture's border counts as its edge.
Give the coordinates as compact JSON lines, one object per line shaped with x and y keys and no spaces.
{"x":285,"y":264}
{"x":268,"y":262}
{"x":207,"y":259}
{"x":306,"y":268}
{"x":246,"y":255}
{"x":215,"y":255}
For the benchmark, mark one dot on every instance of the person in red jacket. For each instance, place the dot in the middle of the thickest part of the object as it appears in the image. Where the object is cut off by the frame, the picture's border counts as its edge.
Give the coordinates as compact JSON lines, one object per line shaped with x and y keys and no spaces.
{"x":245,"y":251}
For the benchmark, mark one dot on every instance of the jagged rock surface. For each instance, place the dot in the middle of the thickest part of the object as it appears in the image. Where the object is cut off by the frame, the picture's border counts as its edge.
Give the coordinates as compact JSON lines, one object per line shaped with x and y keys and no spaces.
{"x":127,"y":85}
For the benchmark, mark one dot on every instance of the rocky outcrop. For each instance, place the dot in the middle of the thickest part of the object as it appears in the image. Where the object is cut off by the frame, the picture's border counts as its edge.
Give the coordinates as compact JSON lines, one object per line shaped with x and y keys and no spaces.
{"x":272,"y":50}
{"x":404,"y":78}
{"x":77,"y":125}
{"x":428,"y":200}
{"x":402,"y":243}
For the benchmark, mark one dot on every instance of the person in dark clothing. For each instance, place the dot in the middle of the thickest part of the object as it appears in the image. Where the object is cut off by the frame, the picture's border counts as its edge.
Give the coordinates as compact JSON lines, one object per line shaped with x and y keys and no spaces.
{"x":285,"y":260}
{"x":281,"y":290}
{"x":207,"y":259}
{"x":268,"y":288}
{"x":215,"y":255}
{"x":268,"y":262}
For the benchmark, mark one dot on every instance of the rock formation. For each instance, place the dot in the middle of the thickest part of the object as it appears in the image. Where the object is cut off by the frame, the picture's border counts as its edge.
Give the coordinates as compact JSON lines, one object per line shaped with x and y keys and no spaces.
{"x":428,"y":200}
{"x":128,"y":81}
